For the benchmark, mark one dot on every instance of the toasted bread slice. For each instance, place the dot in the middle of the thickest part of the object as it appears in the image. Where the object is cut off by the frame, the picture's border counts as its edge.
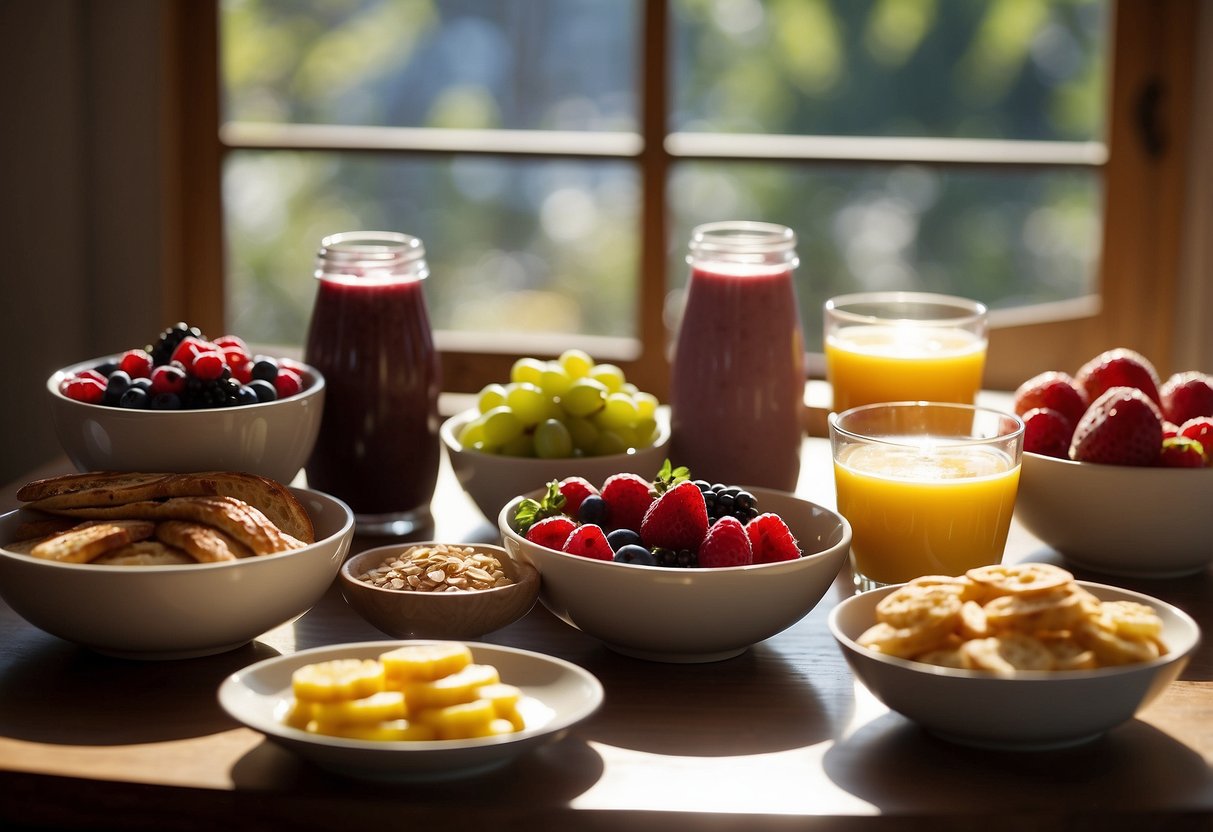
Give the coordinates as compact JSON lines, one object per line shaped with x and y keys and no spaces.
{"x":100,"y":489}
{"x":204,"y":544}
{"x":88,"y":541}
{"x":144,"y":553}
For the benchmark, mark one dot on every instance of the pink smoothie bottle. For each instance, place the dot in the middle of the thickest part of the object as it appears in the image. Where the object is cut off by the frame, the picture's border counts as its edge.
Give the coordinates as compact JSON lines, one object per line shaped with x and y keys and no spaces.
{"x":737,"y":383}
{"x":370,"y":336}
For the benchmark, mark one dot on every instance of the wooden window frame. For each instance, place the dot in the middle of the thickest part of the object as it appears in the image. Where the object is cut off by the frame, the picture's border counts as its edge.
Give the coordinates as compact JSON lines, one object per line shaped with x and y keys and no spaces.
{"x":1144,"y":173}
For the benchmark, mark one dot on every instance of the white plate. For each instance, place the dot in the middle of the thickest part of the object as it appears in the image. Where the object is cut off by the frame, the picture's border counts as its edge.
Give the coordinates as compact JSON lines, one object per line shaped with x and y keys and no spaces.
{"x":556,"y":695}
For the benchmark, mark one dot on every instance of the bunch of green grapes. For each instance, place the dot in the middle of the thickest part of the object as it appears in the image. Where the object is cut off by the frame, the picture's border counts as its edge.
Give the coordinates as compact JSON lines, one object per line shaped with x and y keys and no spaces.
{"x":570,"y":406}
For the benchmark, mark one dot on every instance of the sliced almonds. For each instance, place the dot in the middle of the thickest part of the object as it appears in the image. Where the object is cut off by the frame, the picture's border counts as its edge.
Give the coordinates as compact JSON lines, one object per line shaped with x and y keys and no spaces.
{"x":438,"y":568}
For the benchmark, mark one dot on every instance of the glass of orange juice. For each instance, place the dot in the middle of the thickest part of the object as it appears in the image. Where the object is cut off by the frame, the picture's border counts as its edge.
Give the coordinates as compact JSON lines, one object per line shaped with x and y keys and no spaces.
{"x":928,"y":487}
{"x":904,"y":346}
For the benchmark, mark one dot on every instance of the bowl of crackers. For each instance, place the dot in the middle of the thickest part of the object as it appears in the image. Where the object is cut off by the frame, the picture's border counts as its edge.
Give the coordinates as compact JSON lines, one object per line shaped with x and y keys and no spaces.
{"x":1013,"y":656}
{"x":439,"y":590}
{"x":168,"y":566}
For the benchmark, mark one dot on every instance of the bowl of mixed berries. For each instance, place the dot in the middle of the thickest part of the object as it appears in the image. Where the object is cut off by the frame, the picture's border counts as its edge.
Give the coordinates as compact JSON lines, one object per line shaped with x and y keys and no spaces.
{"x":675,"y":569}
{"x":186,"y":403}
{"x":1118,"y":466}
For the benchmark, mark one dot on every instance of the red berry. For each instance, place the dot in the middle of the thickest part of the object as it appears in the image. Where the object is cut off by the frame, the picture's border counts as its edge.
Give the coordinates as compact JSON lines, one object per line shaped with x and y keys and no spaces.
{"x":1186,"y":395}
{"x":1121,"y":427}
{"x":628,"y":496}
{"x":1054,"y":390}
{"x":168,"y":378}
{"x":1118,"y":367}
{"x":771,"y":539}
{"x":678,"y":519}
{"x":726,"y":544}
{"x":1047,"y":432}
{"x":551,"y":532}
{"x":136,"y":363}
{"x":589,"y":541}
{"x":208,"y":365}
{"x":82,"y":389}
{"x":225,"y":341}
{"x":287,"y":383}
{"x":189,"y":348}
{"x":243,"y":373}
{"x":1200,"y":429}
{"x":93,"y":374}
{"x":235,"y":356}
{"x":1169,"y":429}
{"x":575,"y":490}
{"x":1182,"y":452}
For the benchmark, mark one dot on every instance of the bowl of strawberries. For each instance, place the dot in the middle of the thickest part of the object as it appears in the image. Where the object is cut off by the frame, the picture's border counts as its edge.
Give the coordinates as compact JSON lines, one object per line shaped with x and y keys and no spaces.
{"x":674,"y":569}
{"x":1118,"y":466}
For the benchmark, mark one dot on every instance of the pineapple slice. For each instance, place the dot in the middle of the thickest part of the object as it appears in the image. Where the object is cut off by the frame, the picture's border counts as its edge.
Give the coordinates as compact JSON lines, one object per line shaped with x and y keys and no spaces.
{"x":337,"y":680}
{"x":455,"y":689}
{"x":461,"y":721}
{"x":425,"y":662}
{"x":505,"y":698}
{"x":394,"y":730}
{"x":383,"y":706}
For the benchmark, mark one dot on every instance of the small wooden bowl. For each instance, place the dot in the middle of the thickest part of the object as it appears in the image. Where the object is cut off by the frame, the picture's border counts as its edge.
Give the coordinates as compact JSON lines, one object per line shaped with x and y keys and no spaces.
{"x":454,"y":615}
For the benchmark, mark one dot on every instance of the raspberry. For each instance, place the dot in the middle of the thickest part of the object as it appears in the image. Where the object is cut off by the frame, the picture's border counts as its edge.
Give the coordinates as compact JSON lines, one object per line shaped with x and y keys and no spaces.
{"x":287,"y":383}
{"x":589,"y":541}
{"x":574,"y":490}
{"x":726,"y":544}
{"x":168,"y":378}
{"x":87,"y":390}
{"x":136,"y":363}
{"x":771,"y":539}
{"x":208,"y":366}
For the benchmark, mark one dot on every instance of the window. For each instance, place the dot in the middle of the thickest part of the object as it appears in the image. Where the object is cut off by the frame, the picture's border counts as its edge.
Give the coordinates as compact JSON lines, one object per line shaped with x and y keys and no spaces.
{"x":554,"y":154}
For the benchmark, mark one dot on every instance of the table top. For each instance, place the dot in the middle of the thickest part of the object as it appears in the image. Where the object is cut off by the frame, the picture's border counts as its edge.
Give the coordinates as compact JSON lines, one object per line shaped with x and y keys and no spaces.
{"x":779,"y":737}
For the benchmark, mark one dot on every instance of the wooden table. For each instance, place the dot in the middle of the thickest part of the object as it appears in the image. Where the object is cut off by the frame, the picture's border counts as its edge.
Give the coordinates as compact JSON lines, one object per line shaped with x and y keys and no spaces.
{"x":781,"y":737}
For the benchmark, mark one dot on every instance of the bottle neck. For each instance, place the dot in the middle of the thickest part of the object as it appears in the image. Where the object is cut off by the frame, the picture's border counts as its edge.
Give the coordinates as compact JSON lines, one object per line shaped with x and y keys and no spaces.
{"x":371,"y":257}
{"x":739,"y":246}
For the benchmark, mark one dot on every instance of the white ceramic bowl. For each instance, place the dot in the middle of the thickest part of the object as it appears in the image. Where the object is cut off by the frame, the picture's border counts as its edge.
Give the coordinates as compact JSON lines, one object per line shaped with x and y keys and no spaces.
{"x":458,"y":615}
{"x":492,"y":481}
{"x":170,"y":612}
{"x":556,"y":695}
{"x":1118,"y":519}
{"x":691,"y":615}
{"x":1031,"y":711}
{"x":273,"y":439}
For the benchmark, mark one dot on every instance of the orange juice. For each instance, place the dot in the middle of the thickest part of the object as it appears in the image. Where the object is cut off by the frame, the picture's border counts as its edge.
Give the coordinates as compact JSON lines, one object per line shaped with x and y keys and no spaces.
{"x":887,"y":363}
{"x":925,"y":511}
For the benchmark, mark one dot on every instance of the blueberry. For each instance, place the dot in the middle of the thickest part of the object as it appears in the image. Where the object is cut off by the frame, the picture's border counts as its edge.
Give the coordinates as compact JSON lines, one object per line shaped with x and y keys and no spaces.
{"x":166,"y":401}
{"x":265,"y":369}
{"x":144,"y":384}
{"x":634,"y":553}
{"x":263,"y":390}
{"x":594,"y":510}
{"x":106,"y":368}
{"x":135,"y":398}
{"x":622,"y":537}
{"x":247,"y":395}
{"x":118,"y":381}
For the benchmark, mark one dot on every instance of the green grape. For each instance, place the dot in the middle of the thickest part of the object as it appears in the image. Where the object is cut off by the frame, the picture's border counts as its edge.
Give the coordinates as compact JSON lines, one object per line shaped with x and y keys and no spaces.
{"x":555,"y":380}
{"x":472,"y":433}
{"x":610,"y":376}
{"x":500,"y":426}
{"x":644,"y":432}
{"x":585,"y":396}
{"x":618,"y":411}
{"x":609,"y":442}
{"x":493,"y":395}
{"x":583,"y":432}
{"x":520,"y":445}
{"x":528,"y":402}
{"x":576,"y":363}
{"x":646,"y":404}
{"x":527,"y":369}
{"x":552,"y":440}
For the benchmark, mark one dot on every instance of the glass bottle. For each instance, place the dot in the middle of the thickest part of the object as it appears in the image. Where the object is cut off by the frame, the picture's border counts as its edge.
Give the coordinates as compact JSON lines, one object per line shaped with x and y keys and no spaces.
{"x":370,"y":336}
{"x":737,"y":379}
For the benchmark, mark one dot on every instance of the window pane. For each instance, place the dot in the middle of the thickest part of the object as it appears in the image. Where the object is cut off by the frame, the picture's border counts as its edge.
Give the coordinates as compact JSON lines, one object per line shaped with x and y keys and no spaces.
{"x":533,"y":64}
{"x":1005,"y":69}
{"x":513,"y":246}
{"x":1005,"y":237}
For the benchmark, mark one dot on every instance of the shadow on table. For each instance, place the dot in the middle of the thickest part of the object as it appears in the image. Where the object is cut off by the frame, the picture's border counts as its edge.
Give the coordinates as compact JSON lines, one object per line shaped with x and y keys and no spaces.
{"x":896,"y":765}
{"x":60,"y":693}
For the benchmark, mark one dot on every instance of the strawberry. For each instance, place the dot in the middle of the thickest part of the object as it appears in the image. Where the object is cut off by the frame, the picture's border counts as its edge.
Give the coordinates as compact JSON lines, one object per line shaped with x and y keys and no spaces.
{"x":726,"y":544}
{"x":1186,"y":395}
{"x":1200,"y":429}
{"x":1169,"y":429}
{"x":1182,"y":452}
{"x":1055,"y":390}
{"x":551,"y":532}
{"x":531,"y":511}
{"x":1048,"y":432}
{"x":1121,"y":427}
{"x":678,"y":519}
{"x":628,"y":497}
{"x":771,"y":539}
{"x":574,"y":490}
{"x":589,"y":541}
{"x":1118,"y":367}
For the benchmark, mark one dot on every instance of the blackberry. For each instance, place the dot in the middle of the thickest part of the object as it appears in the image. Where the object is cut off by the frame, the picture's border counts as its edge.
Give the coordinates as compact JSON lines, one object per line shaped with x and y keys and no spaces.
{"x":727,"y":501}
{"x":219,"y":392}
{"x":169,"y":340}
{"x":676,"y":558}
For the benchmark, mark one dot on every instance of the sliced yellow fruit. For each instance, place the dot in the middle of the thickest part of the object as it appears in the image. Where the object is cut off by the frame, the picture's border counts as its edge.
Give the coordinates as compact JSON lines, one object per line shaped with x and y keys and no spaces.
{"x":298,"y":714}
{"x":505,"y":698}
{"x":337,"y":680}
{"x":378,"y":707}
{"x":467,"y":719}
{"x":425,"y":662}
{"x":389,"y":731}
{"x":454,"y":689}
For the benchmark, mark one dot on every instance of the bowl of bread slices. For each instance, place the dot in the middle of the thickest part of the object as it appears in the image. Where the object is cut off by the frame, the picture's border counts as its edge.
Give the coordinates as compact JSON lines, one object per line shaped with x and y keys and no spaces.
{"x":168,"y":566}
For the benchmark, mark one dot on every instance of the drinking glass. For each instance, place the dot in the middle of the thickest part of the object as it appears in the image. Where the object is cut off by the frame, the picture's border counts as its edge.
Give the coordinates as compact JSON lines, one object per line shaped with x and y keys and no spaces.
{"x":928,"y":487}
